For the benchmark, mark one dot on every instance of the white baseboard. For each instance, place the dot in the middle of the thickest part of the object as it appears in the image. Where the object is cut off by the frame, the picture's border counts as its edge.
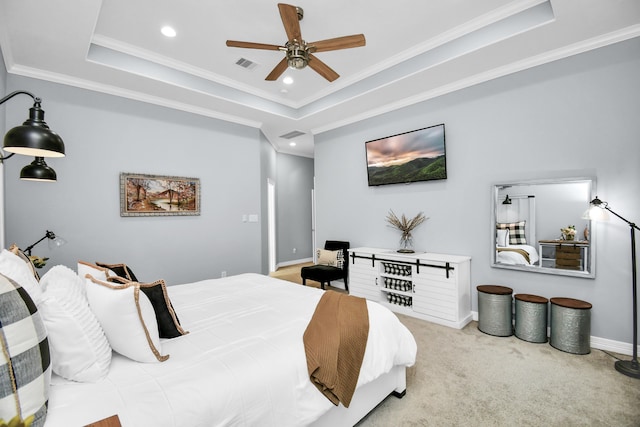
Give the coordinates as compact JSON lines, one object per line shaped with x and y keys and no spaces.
{"x":294,"y":262}
{"x":599,"y":343}
{"x":613,"y":346}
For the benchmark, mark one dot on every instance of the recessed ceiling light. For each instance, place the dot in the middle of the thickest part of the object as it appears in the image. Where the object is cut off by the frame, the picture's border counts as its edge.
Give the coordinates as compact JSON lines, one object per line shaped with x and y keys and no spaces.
{"x":292,"y":144}
{"x":287,"y":80}
{"x":168,"y":31}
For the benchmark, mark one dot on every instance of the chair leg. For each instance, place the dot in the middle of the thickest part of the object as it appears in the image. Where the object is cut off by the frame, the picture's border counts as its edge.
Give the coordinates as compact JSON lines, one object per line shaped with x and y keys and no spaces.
{"x":304,"y":282}
{"x":322,"y":285}
{"x":346,"y":284}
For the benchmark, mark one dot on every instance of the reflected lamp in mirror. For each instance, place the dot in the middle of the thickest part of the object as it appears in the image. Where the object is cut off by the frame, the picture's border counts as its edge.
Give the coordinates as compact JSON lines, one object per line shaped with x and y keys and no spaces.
{"x":33,"y":138}
{"x":526,"y":223}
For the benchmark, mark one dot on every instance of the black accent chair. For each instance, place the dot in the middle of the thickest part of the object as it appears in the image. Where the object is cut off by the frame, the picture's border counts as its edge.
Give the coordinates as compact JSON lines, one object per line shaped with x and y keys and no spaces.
{"x":326,"y":273}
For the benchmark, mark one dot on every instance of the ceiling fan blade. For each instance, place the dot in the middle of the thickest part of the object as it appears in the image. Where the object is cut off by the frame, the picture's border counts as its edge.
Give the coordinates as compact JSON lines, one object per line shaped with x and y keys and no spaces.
{"x":345,"y":42}
{"x":289,"y":16}
{"x":278,"y":70}
{"x":321,"y":68}
{"x":251,"y":45}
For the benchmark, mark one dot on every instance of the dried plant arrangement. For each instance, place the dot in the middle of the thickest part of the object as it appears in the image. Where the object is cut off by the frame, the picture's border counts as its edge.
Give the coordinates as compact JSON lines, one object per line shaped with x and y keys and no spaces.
{"x":406,"y":226}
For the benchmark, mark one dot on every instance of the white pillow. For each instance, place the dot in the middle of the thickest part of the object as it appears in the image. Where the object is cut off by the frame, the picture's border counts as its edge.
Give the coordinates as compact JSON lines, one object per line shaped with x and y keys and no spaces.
{"x":127,"y":318}
{"x":97,"y":272}
{"x":12,"y":266}
{"x":79,"y":348}
{"x":502,"y":237}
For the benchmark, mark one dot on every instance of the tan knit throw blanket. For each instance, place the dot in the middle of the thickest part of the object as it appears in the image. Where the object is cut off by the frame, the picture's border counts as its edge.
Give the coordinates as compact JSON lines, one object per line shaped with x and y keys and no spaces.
{"x":522,"y":252}
{"x":334,"y":342}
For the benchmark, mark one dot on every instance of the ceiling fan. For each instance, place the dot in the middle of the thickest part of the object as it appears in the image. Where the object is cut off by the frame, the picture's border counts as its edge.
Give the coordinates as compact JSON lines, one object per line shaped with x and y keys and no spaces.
{"x":299,"y":53}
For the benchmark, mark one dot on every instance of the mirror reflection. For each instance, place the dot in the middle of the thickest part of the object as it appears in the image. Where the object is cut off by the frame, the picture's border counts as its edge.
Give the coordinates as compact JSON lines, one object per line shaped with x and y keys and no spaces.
{"x":537,"y":226}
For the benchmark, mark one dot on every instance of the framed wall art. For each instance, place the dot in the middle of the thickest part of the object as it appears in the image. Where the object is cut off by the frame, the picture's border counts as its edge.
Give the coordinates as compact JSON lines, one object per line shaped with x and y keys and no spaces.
{"x":158,"y":195}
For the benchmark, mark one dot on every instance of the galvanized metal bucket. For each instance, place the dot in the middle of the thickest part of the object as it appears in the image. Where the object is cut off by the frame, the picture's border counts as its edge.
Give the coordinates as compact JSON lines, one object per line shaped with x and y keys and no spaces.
{"x":570,"y":323}
{"x":495,"y":310}
{"x":531,"y":317}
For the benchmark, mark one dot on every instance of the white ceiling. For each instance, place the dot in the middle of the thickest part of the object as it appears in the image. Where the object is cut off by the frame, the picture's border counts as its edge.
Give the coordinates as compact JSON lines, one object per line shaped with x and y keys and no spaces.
{"x":415,"y":50}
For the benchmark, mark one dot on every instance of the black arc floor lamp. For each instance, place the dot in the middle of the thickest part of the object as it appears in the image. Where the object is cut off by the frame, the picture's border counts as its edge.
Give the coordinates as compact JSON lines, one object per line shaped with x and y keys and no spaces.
{"x":630,"y":368}
{"x":33,"y":138}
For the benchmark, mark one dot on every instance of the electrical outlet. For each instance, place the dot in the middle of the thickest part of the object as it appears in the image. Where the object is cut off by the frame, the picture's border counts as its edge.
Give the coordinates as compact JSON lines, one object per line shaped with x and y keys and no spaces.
{"x":294,"y":250}
{"x":223,"y":274}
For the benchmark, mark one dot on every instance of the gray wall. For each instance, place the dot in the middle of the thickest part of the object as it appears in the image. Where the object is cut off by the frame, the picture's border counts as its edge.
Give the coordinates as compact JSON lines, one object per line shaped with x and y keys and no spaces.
{"x":293,"y":193}
{"x":106,"y":135}
{"x":574,"y":117}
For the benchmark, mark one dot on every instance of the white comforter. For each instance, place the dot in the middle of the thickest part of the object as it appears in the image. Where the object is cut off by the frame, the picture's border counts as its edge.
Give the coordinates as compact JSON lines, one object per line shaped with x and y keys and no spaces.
{"x":514,"y":258}
{"x":242,"y":364}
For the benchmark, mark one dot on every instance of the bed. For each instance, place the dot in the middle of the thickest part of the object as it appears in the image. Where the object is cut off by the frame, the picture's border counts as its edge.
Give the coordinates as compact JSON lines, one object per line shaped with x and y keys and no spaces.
{"x":517,"y":255}
{"x":512,"y":243}
{"x":242,"y":363}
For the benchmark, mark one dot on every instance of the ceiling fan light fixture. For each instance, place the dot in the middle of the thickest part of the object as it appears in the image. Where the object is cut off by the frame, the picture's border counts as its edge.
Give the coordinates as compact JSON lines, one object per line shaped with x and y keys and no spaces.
{"x":297,"y":55}
{"x":297,"y":63}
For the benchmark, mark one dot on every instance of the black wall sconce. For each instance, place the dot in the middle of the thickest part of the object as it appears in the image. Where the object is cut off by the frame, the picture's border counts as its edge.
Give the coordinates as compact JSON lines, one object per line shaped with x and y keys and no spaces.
{"x":54,"y":242}
{"x":33,"y":138}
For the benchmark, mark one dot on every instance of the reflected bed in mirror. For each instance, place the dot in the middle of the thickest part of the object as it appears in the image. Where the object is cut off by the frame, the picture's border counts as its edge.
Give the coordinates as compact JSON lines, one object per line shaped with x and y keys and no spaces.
{"x":537,"y":226}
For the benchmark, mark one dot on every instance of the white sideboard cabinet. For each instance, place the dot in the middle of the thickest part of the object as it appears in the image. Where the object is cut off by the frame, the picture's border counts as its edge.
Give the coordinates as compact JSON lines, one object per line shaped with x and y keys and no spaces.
{"x":429,"y":286}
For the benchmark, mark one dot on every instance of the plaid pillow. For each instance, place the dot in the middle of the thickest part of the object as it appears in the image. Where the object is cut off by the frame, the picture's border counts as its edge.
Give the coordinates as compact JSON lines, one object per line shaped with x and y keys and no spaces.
{"x":516,"y":232}
{"x":25,"y":365}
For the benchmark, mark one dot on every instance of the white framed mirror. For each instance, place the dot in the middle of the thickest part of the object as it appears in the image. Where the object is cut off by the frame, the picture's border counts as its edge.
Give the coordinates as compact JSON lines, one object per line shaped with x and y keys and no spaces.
{"x":538,"y":226}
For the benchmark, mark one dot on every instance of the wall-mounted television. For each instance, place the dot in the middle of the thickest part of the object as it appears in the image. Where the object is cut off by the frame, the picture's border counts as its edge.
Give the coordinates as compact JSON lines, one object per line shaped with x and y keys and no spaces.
{"x":414,"y":156}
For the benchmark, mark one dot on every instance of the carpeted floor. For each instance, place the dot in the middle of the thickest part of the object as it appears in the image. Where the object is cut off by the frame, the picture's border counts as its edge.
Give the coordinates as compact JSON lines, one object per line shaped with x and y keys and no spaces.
{"x":467,"y":378}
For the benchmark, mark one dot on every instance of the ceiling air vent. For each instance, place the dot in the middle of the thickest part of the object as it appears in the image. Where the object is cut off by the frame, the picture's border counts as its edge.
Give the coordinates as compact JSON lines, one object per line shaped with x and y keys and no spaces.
{"x":292,"y":134}
{"x":246,"y":63}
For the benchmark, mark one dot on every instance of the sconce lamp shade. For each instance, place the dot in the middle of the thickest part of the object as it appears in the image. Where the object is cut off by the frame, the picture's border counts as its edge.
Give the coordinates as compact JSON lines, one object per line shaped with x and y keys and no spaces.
{"x":33,"y":137}
{"x":38,"y":170}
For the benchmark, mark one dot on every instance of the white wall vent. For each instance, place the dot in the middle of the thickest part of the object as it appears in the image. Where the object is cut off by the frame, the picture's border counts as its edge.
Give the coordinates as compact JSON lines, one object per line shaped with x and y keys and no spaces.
{"x":292,"y":134}
{"x":246,"y":63}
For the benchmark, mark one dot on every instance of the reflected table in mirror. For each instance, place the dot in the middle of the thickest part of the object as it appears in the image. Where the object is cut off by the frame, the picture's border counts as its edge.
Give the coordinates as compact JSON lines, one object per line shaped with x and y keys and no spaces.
{"x":564,"y":254}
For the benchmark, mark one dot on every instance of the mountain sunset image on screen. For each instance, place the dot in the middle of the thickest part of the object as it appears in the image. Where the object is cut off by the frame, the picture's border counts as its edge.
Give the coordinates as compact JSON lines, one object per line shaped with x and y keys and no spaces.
{"x":413,"y":156}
